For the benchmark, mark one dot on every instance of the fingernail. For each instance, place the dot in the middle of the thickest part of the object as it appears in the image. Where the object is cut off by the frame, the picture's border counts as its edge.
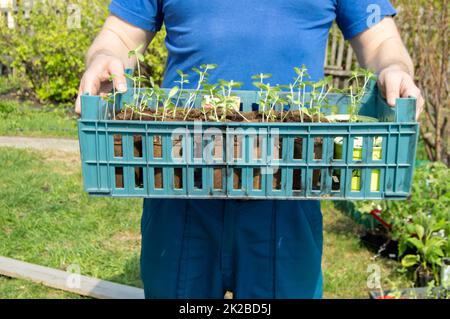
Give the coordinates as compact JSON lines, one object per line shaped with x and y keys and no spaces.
{"x":122,"y":87}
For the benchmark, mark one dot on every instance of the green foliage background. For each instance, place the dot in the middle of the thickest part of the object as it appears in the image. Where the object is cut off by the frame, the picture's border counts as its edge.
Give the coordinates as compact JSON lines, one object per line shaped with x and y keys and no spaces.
{"x":48,"y":55}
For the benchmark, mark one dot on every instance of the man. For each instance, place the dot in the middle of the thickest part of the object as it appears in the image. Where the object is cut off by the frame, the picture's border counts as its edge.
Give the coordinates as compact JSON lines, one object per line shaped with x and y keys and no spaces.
{"x":257,"y":249}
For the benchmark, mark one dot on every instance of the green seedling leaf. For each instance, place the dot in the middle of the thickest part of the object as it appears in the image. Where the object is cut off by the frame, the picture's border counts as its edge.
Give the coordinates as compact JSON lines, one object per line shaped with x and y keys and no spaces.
{"x":420,"y":230}
{"x":260,"y":85}
{"x":182,"y":75}
{"x":140,"y":56}
{"x":416,"y":243}
{"x":235,"y":85}
{"x":173,"y":92}
{"x":208,"y":66}
{"x":410,"y":260}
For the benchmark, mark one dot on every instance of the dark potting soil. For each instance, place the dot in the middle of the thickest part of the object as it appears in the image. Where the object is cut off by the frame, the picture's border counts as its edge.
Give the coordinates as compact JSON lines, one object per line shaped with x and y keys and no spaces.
{"x":232,"y":116}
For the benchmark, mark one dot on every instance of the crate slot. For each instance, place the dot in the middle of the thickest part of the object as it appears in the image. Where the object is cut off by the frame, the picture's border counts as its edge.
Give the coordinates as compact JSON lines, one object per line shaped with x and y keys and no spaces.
{"x":377,"y":148}
{"x":278,"y":148}
{"x":375,"y":180}
{"x":316,"y":180}
{"x":178,"y":178}
{"x":356,"y":180}
{"x":257,"y":178}
{"x":158,"y":177}
{"x":137,"y":146}
{"x":237,"y":178}
{"x":336,"y":180}
{"x":157,"y":146}
{"x":338,"y":148}
{"x":297,"y":179}
{"x":118,"y":172}
{"x":138,"y":177}
{"x":237,"y":147}
{"x":217,"y":178}
{"x":217,"y":151}
{"x":276,"y":179}
{"x":198,"y":146}
{"x":118,"y":145}
{"x":177,"y":147}
{"x":257,"y":147}
{"x":357,"y":148}
{"x":198,"y":178}
{"x":298,"y":148}
{"x":318,"y":148}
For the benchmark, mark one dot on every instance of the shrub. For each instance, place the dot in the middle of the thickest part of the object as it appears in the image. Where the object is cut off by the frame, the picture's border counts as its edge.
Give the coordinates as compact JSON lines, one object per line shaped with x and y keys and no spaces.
{"x":48,"y":52}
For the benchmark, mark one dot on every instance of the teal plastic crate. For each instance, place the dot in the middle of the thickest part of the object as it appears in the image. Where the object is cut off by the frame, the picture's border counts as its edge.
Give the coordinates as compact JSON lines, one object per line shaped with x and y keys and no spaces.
{"x":281,"y":172}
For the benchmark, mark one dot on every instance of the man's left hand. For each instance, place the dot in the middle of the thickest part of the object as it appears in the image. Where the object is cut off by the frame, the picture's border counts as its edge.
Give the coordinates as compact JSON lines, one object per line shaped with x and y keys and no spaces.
{"x":395,"y":82}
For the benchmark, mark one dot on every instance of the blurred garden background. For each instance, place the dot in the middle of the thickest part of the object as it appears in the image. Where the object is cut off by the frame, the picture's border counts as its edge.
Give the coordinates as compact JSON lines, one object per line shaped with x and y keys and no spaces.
{"x":46,"y":218}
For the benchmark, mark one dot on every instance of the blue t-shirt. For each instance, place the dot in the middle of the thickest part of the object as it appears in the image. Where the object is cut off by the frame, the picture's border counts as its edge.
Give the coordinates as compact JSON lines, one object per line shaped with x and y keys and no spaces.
{"x":248,"y":37}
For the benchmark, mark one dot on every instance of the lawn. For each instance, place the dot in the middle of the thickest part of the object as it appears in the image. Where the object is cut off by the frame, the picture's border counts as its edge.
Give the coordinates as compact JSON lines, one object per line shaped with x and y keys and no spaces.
{"x":46,"y":219}
{"x":24,"y":118}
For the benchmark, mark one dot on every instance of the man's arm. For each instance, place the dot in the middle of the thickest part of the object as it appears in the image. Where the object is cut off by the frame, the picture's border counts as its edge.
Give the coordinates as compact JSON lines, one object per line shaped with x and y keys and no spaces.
{"x":380,"y":48}
{"x":108,"y":55}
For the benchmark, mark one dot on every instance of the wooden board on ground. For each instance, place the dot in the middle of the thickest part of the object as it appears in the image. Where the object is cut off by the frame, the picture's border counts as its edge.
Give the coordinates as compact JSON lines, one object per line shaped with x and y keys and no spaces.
{"x":68,"y":281}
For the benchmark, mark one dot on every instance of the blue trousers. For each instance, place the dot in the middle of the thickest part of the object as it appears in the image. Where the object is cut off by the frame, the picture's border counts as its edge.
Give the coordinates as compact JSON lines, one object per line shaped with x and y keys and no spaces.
{"x":257,"y":249}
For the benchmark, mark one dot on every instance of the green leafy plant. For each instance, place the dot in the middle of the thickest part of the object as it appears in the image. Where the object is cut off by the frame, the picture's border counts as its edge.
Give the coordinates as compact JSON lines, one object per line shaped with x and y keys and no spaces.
{"x":421,"y":223}
{"x":202,"y":79}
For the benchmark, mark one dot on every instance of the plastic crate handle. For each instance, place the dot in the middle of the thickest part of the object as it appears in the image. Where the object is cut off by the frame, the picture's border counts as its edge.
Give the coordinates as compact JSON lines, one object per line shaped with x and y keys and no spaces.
{"x":404,"y":110}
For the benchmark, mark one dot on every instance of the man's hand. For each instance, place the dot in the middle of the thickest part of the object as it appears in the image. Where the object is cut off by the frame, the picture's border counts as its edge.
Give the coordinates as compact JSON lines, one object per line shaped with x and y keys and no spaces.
{"x":395,"y":82}
{"x":380,"y":48}
{"x":103,"y":72}
{"x":108,"y":57}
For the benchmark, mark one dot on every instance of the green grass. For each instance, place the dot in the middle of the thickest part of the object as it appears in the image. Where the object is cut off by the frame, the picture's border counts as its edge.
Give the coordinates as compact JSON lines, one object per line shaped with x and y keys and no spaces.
{"x":17,"y":288}
{"x":9,"y":84}
{"x":45,"y":218}
{"x":19,"y":118}
{"x":346,"y":261}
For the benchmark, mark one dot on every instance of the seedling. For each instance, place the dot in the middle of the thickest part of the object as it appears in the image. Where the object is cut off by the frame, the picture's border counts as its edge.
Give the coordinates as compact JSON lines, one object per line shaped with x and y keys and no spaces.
{"x":203,"y":76}
{"x":183,"y":80}
{"x":358,"y":91}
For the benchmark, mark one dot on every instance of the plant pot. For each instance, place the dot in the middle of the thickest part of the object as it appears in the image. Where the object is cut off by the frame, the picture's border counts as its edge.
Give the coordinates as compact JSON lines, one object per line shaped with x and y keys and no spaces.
{"x":357,"y":156}
{"x":379,"y":242}
{"x":424,"y":277}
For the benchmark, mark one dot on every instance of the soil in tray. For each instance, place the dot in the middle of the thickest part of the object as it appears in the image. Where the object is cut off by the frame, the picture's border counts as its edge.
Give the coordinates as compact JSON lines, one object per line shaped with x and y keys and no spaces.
{"x":232,"y":116}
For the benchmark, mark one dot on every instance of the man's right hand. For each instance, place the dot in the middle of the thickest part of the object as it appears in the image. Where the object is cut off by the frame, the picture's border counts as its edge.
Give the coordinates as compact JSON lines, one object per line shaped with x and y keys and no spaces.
{"x":97,"y":79}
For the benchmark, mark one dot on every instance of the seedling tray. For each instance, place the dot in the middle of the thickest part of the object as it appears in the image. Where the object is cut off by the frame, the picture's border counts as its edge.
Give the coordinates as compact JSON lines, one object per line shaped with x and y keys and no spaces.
{"x":251,"y":160}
